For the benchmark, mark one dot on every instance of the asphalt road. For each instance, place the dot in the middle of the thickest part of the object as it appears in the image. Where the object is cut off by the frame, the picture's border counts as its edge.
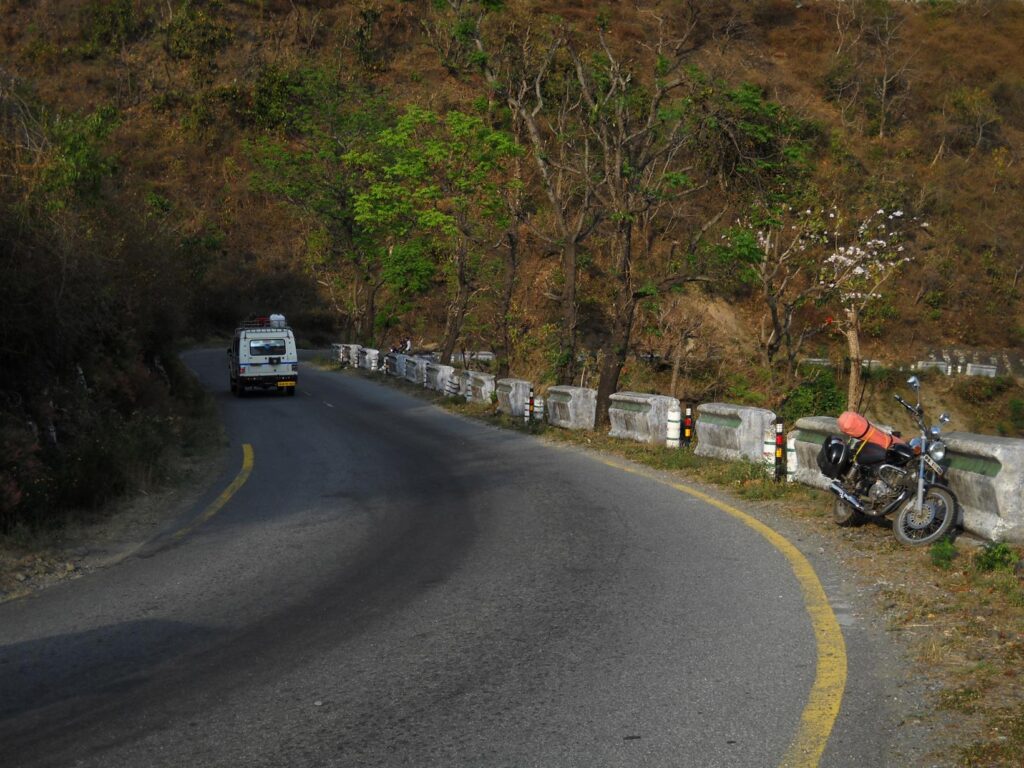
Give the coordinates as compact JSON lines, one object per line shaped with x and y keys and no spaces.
{"x":397,"y":586}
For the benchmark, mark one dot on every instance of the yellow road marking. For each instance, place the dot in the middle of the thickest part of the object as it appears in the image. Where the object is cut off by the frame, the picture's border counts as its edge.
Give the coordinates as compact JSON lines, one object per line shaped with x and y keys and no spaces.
{"x":826,"y":696}
{"x":220,"y":501}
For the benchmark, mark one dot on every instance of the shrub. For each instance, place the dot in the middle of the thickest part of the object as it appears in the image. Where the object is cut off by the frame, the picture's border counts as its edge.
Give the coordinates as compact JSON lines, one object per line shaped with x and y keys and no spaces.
{"x":942,"y":553}
{"x":817,"y":396}
{"x":995,"y":557}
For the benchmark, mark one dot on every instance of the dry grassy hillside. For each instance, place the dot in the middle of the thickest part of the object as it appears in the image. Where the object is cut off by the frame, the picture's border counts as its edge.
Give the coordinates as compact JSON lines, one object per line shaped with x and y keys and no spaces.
{"x":182,"y":75}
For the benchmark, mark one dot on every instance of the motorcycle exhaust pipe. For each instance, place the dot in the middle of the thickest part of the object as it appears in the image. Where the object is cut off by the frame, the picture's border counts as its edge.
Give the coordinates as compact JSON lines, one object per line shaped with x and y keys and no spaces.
{"x":850,"y":499}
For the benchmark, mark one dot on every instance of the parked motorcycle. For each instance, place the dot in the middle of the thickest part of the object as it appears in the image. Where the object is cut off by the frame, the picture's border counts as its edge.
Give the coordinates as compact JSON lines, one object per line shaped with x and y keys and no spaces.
{"x":876,"y":473}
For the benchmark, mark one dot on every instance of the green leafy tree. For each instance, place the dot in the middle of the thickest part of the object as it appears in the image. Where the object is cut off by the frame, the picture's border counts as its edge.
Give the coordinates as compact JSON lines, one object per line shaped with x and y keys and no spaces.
{"x":430,"y":189}
{"x":312,"y":124}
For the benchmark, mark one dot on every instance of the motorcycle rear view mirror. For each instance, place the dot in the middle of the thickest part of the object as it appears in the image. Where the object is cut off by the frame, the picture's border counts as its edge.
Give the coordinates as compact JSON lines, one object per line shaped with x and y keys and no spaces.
{"x":943,"y":418}
{"x":914,"y":383}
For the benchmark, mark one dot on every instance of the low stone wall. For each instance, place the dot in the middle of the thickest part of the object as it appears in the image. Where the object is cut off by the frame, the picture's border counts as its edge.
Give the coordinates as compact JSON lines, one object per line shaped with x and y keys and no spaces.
{"x":369,"y":358}
{"x":640,"y":417}
{"x":733,"y":432}
{"x":415,"y":369}
{"x":480,"y":387}
{"x":348,"y":354}
{"x":396,"y":367}
{"x":513,"y":396}
{"x":807,"y":436}
{"x":572,"y":407}
{"x":336,"y":352}
{"x":987,"y":475}
{"x":437,"y":376}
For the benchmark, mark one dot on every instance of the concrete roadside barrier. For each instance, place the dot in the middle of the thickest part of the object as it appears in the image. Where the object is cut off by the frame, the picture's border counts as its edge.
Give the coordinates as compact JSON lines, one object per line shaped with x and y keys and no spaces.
{"x":369,"y":359}
{"x":806,"y":439}
{"x":438,"y":375}
{"x":513,"y":396}
{"x":572,"y":407}
{"x":415,"y":369}
{"x":640,"y":417}
{"x":398,"y":366}
{"x":336,"y":352}
{"x":348,"y":354}
{"x":733,"y":432}
{"x":987,"y":475}
{"x":480,"y":387}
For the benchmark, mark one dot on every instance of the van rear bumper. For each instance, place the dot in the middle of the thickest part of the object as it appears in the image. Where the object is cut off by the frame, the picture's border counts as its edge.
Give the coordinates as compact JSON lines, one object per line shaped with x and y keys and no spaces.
{"x":269,"y":382}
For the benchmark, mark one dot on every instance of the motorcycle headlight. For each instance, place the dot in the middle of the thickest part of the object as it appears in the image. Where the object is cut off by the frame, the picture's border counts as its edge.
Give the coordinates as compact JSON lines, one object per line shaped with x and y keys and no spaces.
{"x":937,"y":450}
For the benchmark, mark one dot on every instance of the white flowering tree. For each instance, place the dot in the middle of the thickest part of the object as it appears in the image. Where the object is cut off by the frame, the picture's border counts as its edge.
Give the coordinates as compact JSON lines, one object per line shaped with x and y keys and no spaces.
{"x":862,"y":259}
{"x":801,"y":259}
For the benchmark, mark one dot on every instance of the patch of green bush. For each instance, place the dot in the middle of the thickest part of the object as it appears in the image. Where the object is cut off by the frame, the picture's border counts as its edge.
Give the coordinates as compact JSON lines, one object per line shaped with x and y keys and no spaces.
{"x":997,"y":556}
{"x":818,"y":395}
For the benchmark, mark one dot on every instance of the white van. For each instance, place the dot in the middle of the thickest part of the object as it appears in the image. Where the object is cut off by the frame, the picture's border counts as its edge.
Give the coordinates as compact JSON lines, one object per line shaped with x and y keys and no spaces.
{"x":262,"y":355}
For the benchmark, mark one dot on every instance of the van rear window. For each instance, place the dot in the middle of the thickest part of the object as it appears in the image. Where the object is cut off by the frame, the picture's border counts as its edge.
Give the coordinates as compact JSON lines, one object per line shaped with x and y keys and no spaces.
{"x":267,"y":347}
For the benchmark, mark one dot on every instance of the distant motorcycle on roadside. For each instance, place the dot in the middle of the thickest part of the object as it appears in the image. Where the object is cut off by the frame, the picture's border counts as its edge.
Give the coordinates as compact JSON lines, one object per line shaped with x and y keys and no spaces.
{"x":875,"y":473}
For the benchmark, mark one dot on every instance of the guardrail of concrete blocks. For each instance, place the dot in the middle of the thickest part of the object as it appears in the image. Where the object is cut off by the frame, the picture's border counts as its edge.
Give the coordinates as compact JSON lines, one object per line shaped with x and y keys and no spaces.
{"x":513,"y":396}
{"x":481,"y":387}
{"x":640,"y":417}
{"x":572,"y":407}
{"x":352,"y":356}
{"x":415,"y":368}
{"x":336,"y":350}
{"x":369,"y":358}
{"x":987,"y":475}
{"x":806,"y":438}
{"x":396,"y":366}
{"x":734,"y":432}
{"x":437,"y":376}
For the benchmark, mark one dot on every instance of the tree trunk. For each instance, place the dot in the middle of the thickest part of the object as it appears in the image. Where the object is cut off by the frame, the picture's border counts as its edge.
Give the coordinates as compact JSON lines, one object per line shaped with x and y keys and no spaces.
{"x":457,"y":311}
{"x":853,"y":342}
{"x":622,"y":329}
{"x":677,"y":359}
{"x":511,"y":266}
{"x":567,"y":331}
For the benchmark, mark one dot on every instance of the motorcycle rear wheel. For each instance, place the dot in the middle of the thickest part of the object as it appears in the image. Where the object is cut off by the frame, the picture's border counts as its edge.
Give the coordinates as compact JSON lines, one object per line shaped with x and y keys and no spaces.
{"x":936,"y":518}
{"x":844,"y":515}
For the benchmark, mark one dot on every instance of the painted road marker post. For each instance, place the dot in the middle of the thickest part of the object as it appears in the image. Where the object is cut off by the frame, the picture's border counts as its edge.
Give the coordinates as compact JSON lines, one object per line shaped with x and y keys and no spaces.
{"x":780,"y":452}
{"x":538,"y":408}
{"x":674,"y":422}
{"x":530,"y":407}
{"x":790,"y":457}
{"x":687,"y":427}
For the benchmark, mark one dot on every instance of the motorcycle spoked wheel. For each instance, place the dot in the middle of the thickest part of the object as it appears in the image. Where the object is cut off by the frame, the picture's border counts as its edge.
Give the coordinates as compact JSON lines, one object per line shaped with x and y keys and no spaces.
{"x":844,"y":515}
{"x":935,"y":519}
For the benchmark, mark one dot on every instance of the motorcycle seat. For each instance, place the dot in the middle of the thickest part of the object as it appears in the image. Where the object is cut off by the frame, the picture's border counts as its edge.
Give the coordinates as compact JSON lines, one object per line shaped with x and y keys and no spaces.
{"x":870,"y":453}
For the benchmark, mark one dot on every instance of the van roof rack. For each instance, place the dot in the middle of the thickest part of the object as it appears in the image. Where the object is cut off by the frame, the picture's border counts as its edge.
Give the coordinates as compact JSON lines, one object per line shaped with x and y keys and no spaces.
{"x":261,"y":323}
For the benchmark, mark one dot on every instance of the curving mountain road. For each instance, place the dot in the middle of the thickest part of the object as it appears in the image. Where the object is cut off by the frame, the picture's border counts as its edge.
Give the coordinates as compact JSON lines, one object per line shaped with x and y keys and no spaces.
{"x":396,"y":586}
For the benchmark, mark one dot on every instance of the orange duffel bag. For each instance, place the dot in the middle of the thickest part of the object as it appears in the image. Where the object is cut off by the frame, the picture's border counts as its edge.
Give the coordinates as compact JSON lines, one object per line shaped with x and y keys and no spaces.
{"x":856,"y":426}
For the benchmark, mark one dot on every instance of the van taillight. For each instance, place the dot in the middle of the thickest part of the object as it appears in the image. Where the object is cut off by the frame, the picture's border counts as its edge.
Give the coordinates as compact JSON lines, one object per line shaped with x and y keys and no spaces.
{"x":241,"y":369}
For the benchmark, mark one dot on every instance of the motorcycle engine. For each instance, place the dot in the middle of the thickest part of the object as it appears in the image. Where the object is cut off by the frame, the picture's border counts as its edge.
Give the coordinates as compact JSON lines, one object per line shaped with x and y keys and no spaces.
{"x":887,"y":485}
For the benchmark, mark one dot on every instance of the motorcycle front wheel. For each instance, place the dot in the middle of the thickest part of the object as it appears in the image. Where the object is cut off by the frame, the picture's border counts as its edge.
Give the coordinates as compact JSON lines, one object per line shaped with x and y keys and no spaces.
{"x":934,"y":520}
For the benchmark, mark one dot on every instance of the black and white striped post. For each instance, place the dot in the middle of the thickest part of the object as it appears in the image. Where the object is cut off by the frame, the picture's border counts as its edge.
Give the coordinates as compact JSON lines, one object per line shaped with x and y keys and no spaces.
{"x":528,"y":410}
{"x":687,"y":437}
